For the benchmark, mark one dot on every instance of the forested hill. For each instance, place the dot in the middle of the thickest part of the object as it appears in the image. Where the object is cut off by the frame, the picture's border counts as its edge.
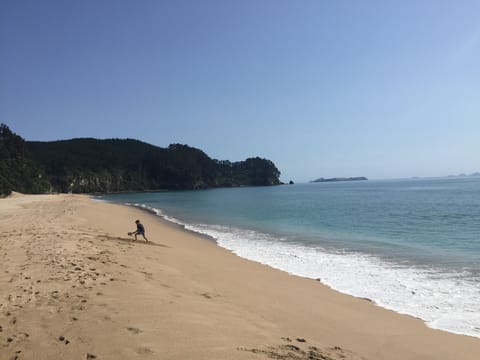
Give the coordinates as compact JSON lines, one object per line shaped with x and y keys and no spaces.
{"x":90,"y":165}
{"x":18,"y":172}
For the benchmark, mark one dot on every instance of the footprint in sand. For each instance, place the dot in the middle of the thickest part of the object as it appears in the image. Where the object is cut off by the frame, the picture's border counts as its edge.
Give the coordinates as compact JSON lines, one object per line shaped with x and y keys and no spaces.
{"x":62,"y":339}
{"x":134,"y":330}
{"x":143,"y":351}
{"x":206,"y":295}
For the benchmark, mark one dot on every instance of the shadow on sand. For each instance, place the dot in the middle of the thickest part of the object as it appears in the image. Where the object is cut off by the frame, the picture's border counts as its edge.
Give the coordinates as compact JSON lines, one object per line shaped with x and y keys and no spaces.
{"x":129,"y":240}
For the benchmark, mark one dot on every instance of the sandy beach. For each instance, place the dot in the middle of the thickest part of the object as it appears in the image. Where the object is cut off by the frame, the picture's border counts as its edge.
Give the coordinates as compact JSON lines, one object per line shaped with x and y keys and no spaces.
{"x":73,"y":285}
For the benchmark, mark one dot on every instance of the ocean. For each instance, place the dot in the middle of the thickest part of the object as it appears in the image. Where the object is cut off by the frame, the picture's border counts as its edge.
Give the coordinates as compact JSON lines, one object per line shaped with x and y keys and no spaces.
{"x":412,"y":246}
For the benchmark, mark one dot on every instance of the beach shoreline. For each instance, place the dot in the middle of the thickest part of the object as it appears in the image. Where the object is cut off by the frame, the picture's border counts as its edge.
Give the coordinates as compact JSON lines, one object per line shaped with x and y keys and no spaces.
{"x":74,"y":285}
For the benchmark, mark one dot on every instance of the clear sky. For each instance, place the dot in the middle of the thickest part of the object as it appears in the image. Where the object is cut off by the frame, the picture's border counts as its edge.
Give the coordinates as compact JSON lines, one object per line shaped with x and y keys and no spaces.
{"x":323,"y":88}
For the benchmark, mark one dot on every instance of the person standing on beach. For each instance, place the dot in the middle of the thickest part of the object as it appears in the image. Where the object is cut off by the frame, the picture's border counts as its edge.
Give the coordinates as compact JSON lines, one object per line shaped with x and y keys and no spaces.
{"x":140,"y":231}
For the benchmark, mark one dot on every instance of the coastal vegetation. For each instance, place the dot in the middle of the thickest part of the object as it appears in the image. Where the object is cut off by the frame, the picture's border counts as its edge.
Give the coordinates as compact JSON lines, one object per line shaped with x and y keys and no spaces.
{"x":18,"y":171}
{"x":90,"y":165}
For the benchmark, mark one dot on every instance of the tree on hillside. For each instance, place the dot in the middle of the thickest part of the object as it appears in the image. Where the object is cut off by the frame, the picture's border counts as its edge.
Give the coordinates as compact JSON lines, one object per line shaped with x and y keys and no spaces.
{"x":18,"y":172}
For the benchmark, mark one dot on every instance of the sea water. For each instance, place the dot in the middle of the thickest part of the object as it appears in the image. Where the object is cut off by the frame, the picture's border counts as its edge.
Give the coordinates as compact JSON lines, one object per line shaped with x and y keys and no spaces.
{"x":412,"y":246}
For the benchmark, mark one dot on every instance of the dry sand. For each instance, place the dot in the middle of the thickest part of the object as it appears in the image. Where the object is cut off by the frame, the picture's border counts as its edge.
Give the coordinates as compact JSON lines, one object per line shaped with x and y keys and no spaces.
{"x":74,"y":286}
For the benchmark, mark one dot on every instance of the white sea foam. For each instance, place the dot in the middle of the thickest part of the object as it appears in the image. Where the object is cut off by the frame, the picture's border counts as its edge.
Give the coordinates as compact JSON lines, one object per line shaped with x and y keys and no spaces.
{"x":148,"y":208}
{"x":444,"y":300}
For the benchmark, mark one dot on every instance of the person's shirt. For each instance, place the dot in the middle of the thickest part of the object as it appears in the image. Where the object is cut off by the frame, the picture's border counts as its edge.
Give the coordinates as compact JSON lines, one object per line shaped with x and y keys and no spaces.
{"x":140,"y":228}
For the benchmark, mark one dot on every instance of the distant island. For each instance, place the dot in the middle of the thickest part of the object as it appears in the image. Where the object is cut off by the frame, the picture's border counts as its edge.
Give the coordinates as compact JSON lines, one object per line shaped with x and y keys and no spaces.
{"x":90,"y":165}
{"x":358,"y":178}
{"x":465,"y":175}
{"x":475,"y":174}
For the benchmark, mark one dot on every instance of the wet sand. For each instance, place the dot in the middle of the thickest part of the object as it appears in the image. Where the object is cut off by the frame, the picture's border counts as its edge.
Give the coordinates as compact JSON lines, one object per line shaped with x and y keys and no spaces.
{"x":73,"y":285}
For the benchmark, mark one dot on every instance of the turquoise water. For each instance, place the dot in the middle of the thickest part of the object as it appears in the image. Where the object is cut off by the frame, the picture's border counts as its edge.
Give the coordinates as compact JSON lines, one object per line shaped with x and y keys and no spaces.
{"x":412,"y":246}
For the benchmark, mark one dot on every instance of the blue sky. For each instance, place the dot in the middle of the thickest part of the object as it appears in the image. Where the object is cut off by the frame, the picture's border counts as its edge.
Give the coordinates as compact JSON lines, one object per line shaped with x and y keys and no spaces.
{"x":383,"y":89}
